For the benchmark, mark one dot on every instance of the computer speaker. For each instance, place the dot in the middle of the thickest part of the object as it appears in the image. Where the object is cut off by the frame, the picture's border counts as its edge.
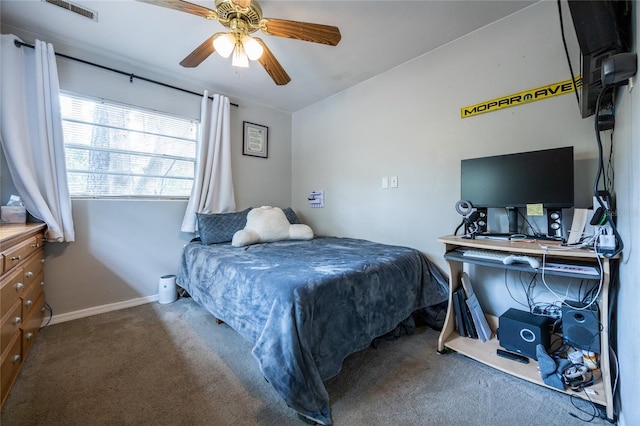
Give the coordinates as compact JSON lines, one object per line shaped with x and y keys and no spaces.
{"x":554,"y":223}
{"x":482,"y":219}
{"x":521,"y":331}
{"x":581,"y":326}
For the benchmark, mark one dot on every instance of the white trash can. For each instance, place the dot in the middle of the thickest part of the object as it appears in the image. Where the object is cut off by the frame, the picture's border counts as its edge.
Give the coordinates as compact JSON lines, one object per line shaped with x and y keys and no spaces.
{"x":167,"y":290}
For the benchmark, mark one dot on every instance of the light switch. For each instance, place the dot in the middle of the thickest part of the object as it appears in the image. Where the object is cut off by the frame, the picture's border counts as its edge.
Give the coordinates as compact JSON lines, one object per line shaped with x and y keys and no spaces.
{"x":316,"y":199}
{"x":385,"y":182}
{"x":394,"y":181}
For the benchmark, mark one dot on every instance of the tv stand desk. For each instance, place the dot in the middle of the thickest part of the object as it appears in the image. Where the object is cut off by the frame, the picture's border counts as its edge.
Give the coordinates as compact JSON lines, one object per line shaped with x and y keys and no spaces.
{"x":601,"y":392}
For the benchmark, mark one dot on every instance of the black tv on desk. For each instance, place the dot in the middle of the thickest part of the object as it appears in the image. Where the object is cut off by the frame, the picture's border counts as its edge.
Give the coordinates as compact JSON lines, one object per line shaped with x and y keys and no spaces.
{"x":514,"y":181}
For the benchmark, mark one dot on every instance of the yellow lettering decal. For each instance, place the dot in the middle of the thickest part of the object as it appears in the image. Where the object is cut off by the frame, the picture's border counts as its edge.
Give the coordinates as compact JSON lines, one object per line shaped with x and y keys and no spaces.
{"x":539,"y":93}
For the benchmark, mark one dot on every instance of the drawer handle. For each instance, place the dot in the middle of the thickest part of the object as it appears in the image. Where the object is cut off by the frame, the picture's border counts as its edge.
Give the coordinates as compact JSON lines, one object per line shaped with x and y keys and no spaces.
{"x":28,"y":303}
{"x":34,"y":245}
{"x":42,"y":260}
{"x":19,"y":286}
{"x":41,"y":283}
{"x":16,"y":358}
{"x":16,"y":258}
{"x":17,"y":320}
{"x":29,"y":274}
{"x":29,"y":336}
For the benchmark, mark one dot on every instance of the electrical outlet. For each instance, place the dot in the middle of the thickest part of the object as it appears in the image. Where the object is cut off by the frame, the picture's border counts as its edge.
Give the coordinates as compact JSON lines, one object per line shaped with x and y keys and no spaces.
{"x":385,"y":182}
{"x":394,"y":181}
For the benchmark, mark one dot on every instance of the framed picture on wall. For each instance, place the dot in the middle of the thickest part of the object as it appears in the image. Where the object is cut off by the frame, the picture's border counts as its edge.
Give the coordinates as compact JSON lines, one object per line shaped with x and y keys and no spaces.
{"x":255,"y":140}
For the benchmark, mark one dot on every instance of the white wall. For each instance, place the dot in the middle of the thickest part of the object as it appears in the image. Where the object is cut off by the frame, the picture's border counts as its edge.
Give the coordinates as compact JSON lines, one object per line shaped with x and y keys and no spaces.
{"x":627,"y":162}
{"x":122,"y":247}
{"x":407,"y":123}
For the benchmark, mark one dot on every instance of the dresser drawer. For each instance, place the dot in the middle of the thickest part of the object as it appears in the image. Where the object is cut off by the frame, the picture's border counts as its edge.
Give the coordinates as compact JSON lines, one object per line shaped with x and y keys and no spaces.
{"x":33,"y":266}
{"x":31,"y":295}
{"x":12,"y":256}
{"x":11,"y":288}
{"x":11,"y":363}
{"x":10,"y":325}
{"x":31,"y":325}
{"x":39,"y":240}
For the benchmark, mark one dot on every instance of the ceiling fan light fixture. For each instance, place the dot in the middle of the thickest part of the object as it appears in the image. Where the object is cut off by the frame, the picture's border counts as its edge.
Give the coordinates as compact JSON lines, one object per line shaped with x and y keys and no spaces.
{"x":240,"y":58}
{"x":252,"y":47}
{"x":242,"y":18}
{"x":224,"y":44}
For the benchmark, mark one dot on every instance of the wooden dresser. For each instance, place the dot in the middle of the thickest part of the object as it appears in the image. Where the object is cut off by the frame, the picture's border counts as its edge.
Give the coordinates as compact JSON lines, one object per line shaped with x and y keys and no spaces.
{"x":22,"y":303}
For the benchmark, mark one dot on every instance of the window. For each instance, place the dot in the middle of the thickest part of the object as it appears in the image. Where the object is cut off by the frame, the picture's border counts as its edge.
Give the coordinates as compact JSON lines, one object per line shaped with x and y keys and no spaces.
{"x":115,"y":150}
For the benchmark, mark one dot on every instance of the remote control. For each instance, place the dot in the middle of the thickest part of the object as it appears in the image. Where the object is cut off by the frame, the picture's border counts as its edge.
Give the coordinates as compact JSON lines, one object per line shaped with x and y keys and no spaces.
{"x":513,"y":356}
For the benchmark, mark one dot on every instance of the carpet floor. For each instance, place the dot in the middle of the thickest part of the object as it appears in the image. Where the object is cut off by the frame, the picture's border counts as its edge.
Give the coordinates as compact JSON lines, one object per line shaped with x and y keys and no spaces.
{"x":173,"y":365}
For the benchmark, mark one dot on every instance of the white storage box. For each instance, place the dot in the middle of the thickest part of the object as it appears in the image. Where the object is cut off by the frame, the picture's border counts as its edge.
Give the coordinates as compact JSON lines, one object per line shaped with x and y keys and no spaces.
{"x":13,"y":214}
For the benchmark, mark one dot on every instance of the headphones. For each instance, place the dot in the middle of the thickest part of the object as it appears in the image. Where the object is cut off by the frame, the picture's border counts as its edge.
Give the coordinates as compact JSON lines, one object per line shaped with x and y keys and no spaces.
{"x":599,"y":217}
{"x":577,"y":377}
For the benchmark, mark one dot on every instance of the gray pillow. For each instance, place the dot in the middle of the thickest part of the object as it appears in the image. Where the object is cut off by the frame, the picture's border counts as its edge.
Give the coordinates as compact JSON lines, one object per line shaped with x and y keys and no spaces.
{"x":214,"y":228}
{"x":291,"y":215}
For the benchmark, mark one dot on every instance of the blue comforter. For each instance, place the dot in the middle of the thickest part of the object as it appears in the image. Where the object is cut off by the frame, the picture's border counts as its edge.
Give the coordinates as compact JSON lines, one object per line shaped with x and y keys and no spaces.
{"x":307,"y":305}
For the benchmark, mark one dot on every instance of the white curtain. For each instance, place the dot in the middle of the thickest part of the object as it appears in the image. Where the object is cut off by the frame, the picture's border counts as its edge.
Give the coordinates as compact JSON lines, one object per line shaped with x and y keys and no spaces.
{"x":213,"y":184}
{"x":31,"y":130}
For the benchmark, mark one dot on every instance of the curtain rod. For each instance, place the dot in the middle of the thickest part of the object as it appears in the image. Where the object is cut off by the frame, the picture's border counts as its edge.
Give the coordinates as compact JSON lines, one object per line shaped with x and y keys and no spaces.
{"x":130,"y":75}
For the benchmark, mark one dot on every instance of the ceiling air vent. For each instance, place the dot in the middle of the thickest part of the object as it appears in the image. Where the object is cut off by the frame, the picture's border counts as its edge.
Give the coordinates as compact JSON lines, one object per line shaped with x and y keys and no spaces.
{"x":75,"y":8}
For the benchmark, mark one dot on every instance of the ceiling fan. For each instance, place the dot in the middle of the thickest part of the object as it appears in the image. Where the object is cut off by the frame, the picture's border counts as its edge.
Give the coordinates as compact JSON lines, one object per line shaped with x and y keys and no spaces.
{"x":243,"y":18}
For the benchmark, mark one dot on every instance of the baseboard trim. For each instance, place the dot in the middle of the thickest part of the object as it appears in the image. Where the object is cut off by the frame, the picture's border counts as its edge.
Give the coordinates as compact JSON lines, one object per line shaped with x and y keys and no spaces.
{"x":83,"y":313}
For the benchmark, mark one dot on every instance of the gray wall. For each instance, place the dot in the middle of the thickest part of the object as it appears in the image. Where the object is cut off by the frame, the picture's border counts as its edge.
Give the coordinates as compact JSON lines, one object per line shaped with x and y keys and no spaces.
{"x":407,"y":123}
{"x":122,"y":247}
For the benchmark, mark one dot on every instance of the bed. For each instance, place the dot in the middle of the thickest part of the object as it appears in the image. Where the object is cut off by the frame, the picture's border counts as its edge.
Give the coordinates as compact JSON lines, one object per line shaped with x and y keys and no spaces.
{"x":306,"y":305}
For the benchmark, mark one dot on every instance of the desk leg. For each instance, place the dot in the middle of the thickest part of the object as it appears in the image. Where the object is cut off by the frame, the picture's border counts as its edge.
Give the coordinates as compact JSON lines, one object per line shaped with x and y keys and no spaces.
{"x":455,"y":269}
{"x":605,"y":360}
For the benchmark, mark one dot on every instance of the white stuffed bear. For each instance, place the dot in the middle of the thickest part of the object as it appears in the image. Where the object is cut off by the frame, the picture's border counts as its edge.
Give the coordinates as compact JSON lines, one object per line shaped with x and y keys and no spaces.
{"x":267,"y":224}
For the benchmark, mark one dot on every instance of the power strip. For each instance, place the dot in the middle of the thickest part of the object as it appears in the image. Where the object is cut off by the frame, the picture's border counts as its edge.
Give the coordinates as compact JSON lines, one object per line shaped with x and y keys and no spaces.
{"x":606,"y":243}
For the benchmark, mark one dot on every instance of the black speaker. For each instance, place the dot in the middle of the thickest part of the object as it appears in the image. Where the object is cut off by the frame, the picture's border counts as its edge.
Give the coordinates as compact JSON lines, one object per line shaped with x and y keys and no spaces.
{"x":521,"y":331}
{"x":554,"y":224}
{"x":581,"y":326}
{"x":482,"y":219}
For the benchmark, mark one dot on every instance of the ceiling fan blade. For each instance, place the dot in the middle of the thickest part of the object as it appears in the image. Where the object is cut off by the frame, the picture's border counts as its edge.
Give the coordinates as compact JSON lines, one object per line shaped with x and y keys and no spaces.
{"x":316,"y":33}
{"x":200,"y":53}
{"x":272,"y":66}
{"x":185,"y":6}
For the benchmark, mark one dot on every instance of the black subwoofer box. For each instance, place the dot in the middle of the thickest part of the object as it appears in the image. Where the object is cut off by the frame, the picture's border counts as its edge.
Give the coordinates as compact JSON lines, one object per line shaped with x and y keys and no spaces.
{"x":521,"y":331}
{"x":581,"y":326}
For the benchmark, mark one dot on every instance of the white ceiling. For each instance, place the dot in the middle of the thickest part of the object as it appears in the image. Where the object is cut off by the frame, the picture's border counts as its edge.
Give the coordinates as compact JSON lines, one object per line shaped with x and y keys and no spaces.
{"x":376,"y":36}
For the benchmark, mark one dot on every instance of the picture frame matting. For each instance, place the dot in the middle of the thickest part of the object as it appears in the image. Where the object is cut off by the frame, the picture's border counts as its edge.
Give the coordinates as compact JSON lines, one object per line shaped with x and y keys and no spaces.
{"x":255,"y":140}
